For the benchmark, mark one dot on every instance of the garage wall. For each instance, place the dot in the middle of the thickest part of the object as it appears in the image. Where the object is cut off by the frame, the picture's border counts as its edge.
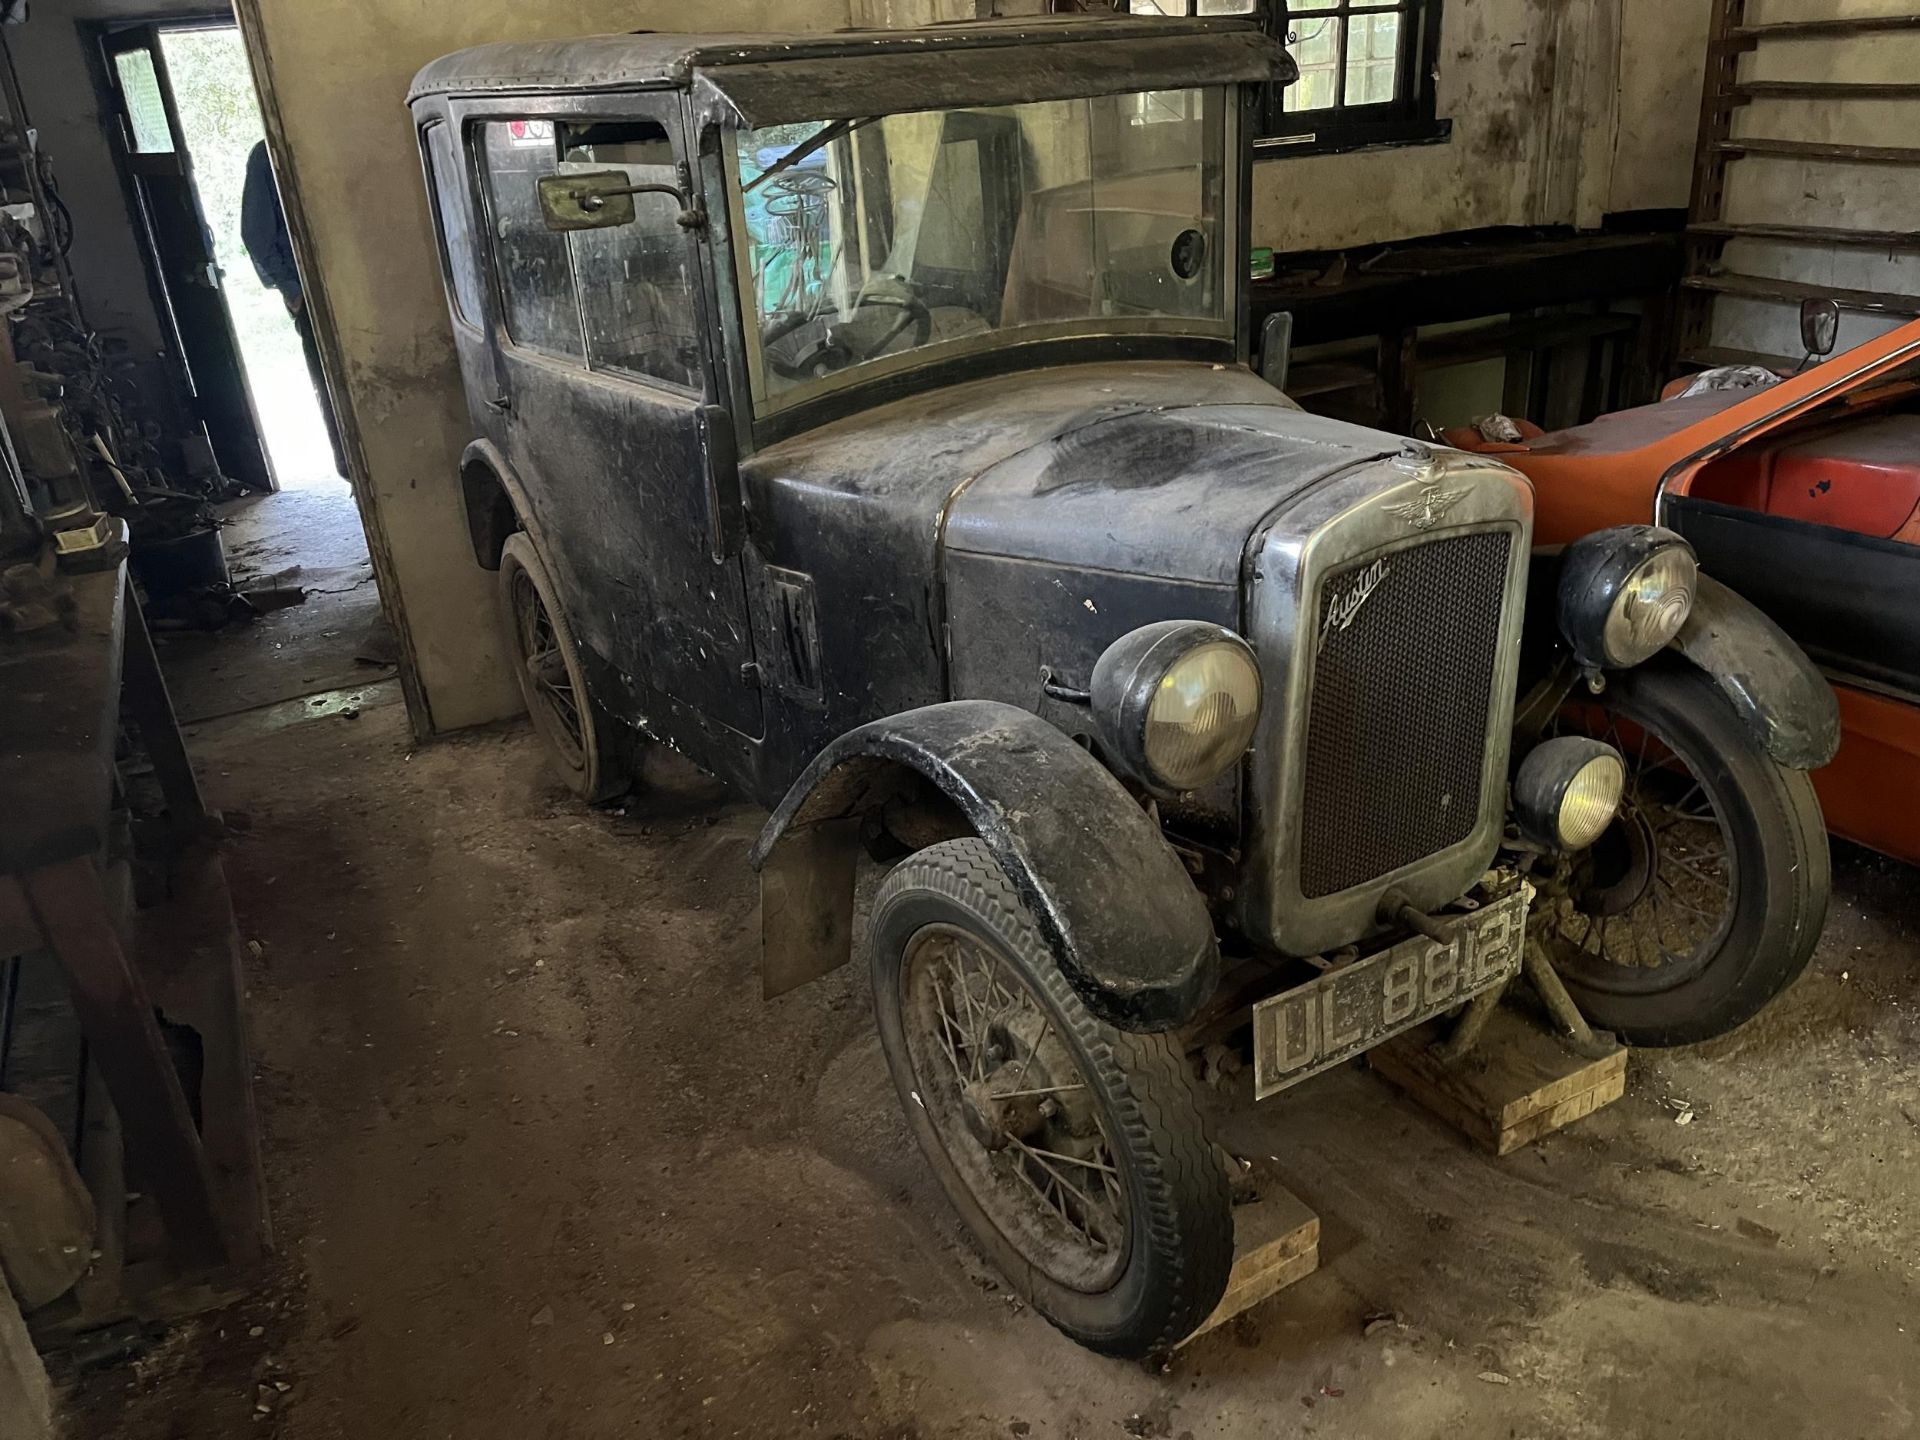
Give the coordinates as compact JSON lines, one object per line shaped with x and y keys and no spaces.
{"x":1562,"y":113}
{"x":1817,"y":192}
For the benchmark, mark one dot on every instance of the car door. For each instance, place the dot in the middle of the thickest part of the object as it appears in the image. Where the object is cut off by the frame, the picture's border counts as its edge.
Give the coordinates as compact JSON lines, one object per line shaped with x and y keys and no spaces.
{"x":605,"y":374}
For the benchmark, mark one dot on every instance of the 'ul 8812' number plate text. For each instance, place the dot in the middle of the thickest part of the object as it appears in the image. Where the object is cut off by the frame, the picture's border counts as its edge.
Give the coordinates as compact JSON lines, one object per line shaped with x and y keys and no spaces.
{"x":1350,"y":1010}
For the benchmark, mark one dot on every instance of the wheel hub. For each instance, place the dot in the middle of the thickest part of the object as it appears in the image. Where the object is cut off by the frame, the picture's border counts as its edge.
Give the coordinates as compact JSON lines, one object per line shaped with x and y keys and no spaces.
{"x":1003,"y":1108}
{"x":1620,"y":867}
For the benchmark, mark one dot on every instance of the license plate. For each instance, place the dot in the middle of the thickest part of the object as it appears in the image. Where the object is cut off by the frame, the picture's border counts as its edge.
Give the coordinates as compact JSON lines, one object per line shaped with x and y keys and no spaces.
{"x":1350,"y":1010}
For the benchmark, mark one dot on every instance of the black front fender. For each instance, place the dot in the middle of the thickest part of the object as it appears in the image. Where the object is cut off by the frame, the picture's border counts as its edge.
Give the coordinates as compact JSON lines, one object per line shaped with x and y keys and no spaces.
{"x":1124,"y":922}
{"x":1784,"y":702}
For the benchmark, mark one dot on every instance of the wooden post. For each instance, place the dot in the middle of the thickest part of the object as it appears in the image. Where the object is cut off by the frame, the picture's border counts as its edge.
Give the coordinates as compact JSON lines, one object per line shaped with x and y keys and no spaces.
{"x":26,"y":1395}
{"x":124,"y":1038}
{"x":152,"y":709}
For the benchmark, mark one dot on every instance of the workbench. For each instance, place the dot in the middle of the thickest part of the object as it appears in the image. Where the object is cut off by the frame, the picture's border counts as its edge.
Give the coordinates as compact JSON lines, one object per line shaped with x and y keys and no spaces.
{"x":65,"y":690}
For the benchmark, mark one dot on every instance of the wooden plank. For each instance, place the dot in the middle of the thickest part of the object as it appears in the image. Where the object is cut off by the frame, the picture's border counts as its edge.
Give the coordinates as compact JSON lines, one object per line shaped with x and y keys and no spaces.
{"x":1840,"y":25}
{"x":189,"y":956}
{"x":1767,"y":287}
{"x":1710,"y":357}
{"x":163,"y":1146}
{"x":1517,"y":1085}
{"x":1819,"y":150}
{"x":1276,"y":1243}
{"x":1841,"y":90}
{"x":147,"y":701}
{"x":1811,"y":234}
{"x":26,"y":1394}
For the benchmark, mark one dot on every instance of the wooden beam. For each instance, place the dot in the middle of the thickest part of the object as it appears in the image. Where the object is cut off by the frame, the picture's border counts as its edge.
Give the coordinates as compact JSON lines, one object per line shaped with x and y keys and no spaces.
{"x":1766,"y":287}
{"x":1842,"y":90}
{"x":1811,"y":234}
{"x":1826,"y":29}
{"x":124,"y":1039}
{"x":1712,"y":357}
{"x":1820,"y":150}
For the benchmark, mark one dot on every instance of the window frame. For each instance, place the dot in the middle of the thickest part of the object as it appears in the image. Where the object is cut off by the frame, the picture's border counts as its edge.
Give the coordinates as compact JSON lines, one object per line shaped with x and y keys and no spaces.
{"x":474,"y":130}
{"x":769,"y":409}
{"x":663,"y":107}
{"x":437,"y":201}
{"x":682,"y":165}
{"x":1411,"y":118}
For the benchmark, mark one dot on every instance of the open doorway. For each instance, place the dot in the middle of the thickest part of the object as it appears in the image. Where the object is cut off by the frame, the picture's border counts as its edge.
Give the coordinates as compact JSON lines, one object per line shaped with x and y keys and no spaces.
{"x":220,"y":127}
{"x":295,"y":614}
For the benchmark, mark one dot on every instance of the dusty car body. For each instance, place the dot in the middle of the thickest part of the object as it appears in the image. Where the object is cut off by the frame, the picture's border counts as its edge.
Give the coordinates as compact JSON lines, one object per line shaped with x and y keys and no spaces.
{"x":869,"y":417}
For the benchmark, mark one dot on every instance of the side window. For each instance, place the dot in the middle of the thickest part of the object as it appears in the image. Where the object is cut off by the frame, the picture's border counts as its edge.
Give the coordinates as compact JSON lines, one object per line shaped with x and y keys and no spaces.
{"x":636,"y":281}
{"x":531,"y":261}
{"x":458,"y":255}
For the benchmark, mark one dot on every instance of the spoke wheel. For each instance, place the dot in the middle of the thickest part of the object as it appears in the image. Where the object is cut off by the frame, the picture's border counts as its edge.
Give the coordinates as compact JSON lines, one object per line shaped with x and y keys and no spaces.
{"x":588,"y":747}
{"x":1072,"y":1151}
{"x":1014,"y":1110}
{"x":1706,"y":896}
{"x":545,"y":669}
{"x":1652,"y":901}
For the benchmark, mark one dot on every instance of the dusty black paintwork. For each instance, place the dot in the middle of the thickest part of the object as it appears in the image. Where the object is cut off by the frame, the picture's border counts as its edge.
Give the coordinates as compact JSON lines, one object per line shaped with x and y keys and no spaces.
{"x":1781,"y":697}
{"x":883,"y":604}
{"x":1127,"y":926}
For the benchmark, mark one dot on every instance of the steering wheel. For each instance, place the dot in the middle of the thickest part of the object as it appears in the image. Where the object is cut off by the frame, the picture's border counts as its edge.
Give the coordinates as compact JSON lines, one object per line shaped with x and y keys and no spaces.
{"x":832,"y":350}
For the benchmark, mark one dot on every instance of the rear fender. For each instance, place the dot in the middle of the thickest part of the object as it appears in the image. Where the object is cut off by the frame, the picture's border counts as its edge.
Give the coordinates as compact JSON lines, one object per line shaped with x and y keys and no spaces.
{"x":1116,"y":908}
{"x":1783,"y":700}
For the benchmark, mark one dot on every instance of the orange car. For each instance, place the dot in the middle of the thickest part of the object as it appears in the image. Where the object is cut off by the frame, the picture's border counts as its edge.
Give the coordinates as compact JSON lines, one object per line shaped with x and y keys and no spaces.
{"x":1803,"y":497}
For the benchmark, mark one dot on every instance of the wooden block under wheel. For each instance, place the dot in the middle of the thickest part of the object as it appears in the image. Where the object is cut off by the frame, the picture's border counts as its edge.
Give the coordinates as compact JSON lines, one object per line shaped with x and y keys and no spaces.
{"x":1517,"y":1085}
{"x":1276,"y":1242}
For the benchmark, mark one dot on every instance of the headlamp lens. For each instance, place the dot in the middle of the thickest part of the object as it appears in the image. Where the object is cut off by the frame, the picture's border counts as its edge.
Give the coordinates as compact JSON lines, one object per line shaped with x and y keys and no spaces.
{"x":1591,"y":801}
{"x":1651,"y":607}
{"x":1202,"y":715}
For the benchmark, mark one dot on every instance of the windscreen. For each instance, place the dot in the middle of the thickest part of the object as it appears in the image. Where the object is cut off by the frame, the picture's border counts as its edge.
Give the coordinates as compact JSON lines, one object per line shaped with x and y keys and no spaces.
{"x":876,"y":244}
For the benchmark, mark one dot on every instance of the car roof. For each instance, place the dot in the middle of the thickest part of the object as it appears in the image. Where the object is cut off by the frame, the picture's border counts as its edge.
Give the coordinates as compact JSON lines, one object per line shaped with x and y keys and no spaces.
{"x":871,"y":71}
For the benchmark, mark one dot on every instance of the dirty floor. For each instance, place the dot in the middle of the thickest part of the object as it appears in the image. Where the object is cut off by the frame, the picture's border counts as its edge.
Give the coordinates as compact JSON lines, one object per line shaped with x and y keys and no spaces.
{"x":309,"y":540}
{"x":543,"y":1164}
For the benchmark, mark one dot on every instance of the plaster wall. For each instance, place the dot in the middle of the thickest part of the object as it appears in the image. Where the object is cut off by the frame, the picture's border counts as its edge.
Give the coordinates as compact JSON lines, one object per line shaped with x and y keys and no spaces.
{"x":1562,"y":113}
{"x":1764,"y":189}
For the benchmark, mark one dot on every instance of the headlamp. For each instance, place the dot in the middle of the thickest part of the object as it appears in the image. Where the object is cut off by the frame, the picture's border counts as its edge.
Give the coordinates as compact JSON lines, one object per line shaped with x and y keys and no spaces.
{"x":1175,"y":704}
{"x":1624,"y":594}
{"x":1567,"y":792}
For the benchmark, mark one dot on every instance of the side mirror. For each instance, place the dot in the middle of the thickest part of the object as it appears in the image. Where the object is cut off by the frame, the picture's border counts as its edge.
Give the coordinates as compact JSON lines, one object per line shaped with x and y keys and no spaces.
{"x":1276,"y":348}
{"x":602,"y":200}
{"x":1819,"y":326}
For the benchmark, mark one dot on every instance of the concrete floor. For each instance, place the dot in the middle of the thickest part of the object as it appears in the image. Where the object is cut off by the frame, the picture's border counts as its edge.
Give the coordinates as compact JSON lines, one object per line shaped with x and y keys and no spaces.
{"x":544,"y":1165}
{"x":305,"y":649}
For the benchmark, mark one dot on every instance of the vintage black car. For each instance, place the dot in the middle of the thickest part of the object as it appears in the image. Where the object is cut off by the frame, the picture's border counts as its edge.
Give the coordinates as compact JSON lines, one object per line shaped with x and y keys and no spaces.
{"x":869,"y":417}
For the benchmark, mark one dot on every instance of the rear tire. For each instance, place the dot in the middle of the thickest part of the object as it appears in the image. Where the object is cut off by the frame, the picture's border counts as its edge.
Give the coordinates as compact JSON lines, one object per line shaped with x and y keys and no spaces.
{"x":1763,"y":884}
{"x":591,"y":750}
{"x":1120,"y":1228}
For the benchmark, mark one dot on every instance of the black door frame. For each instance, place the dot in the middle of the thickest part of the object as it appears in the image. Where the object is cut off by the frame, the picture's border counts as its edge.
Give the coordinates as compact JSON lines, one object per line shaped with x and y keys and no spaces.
{"x":205,"y":361}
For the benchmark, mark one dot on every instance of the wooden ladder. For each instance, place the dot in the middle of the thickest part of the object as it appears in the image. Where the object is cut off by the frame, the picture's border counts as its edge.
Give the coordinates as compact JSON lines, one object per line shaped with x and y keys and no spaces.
{"x":1709,"y":230}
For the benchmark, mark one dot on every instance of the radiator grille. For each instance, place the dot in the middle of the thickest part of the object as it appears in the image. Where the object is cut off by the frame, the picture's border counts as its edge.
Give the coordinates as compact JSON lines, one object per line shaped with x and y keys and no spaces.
{"x":1398,"y":712}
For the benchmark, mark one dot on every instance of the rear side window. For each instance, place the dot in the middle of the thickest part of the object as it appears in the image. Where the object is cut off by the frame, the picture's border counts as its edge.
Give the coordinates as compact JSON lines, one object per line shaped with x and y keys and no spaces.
{"x":636,"y":281}
{"x":531,"y":261}
{"x":458,"y":255}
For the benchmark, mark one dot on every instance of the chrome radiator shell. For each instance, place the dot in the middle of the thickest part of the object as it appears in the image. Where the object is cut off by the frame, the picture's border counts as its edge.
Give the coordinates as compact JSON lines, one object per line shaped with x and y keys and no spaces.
{"x":1342,"y":528}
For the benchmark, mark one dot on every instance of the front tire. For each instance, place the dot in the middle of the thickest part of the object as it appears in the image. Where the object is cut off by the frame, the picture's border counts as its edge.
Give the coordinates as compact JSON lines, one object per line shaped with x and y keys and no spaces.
{"x":1706,"y":897}
{"x":1073,"y":1151}
{"x":588,"y":747}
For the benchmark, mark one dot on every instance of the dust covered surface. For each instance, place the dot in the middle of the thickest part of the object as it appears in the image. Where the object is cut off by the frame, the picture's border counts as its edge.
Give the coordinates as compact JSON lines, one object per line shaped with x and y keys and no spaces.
{"x":543,"y":1164}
